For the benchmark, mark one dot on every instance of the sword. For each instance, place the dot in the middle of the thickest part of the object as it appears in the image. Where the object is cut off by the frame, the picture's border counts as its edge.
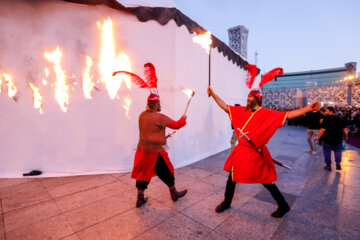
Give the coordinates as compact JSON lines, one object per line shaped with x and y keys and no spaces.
{"x":259,"y":150}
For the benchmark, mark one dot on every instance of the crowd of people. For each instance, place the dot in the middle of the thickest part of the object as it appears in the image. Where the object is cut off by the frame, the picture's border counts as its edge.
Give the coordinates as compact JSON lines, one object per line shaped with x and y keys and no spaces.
{"x":350,"y":115}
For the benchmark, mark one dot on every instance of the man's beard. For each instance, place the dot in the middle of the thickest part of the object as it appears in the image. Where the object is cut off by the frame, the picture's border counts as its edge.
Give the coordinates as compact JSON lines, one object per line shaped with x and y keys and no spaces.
{"x":251,"y":106}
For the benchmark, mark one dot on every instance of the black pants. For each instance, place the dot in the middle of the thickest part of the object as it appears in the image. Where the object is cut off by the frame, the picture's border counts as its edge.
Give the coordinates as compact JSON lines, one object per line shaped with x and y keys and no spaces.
{"x":272,"y":188}
{"x":162,"y":171}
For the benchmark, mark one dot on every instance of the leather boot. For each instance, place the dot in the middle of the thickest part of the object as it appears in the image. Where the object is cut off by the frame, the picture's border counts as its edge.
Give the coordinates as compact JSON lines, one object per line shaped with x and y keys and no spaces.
{"x":222,"y":207}
{"x":281,"y":211}
{"x":175,"y":195}
{"x":140,"y":198}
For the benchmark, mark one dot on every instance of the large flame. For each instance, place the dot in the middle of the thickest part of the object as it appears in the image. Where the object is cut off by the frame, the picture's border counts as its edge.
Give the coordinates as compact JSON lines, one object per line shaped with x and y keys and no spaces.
{"x":36,"y":97}
{"x":87,"y":82}
{"x":188,"y":92}
{"x":204,"y":40}
{"x":127,"y":102}
{"x":61,"y":86}
{"x":109,"y":62}
{"x":11,"y":88}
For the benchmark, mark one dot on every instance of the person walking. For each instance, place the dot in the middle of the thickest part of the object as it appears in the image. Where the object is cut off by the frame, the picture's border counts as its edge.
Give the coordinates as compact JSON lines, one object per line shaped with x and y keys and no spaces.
{"x":314,"y":119}
{"x":333,"y":130}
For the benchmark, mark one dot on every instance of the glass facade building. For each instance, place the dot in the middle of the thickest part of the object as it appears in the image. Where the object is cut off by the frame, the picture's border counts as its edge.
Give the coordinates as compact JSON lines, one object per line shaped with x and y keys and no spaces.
{"x":309,"y":79}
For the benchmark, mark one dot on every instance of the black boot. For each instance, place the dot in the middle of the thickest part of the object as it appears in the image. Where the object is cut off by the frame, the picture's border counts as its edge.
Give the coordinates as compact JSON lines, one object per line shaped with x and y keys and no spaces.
{"x":283,"y":206}
{"x":222,"y":207}
{"x":229,"y":194}
{"x":281,"y":211}
{"x":140,"y":198}
{"x":175,"y":195}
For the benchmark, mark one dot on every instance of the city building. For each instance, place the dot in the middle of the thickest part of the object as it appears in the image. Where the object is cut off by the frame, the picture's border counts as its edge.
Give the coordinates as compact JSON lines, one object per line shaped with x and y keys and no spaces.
{"x":336,"y":86}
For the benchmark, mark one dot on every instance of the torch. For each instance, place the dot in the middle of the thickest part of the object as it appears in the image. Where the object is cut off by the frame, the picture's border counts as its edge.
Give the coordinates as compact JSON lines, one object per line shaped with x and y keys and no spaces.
{"x":170,"y":134}
{"x":205,"y":40}
{"x":189,"y":93}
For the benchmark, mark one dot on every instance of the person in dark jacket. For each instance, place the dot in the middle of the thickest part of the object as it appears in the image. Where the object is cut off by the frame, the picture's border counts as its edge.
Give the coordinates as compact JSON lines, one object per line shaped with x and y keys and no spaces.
{"x":334,"y":131}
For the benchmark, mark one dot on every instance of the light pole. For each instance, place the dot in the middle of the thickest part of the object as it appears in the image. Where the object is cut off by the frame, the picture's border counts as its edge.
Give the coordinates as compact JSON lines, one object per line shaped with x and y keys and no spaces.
{"x":350,"y":78}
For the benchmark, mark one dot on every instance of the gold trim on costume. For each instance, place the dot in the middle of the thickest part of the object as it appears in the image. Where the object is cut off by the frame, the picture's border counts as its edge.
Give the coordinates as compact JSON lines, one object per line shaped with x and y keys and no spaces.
{"x":284,"y":119}
{"x":232,"y":173}
{"x":252,"y":114}
{"x":229,"y":112}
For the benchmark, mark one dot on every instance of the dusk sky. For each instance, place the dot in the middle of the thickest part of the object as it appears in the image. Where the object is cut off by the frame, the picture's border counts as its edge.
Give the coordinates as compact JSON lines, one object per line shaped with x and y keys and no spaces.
{"x":295,"y":35}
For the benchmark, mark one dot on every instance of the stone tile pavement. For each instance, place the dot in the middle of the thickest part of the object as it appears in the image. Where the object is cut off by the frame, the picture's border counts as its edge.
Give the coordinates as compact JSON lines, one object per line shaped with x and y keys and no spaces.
{"x":325,"y":205}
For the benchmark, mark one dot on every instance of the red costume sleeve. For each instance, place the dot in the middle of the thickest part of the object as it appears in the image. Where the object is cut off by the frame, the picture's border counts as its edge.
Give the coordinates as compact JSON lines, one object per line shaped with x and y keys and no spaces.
{"x":177,"y":124}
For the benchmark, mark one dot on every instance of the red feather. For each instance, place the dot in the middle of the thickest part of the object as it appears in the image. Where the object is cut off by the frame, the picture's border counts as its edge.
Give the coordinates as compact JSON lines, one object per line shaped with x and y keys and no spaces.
{"x":270,"y":76}
{"x":150,"y":75}
{"x":250,"y":77}
{"x":134,"y":78}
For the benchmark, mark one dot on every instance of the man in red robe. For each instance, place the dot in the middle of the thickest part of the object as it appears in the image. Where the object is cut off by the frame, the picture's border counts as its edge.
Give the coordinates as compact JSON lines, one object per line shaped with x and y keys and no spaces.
{"x":246,"y":164}
{"x":150,"y":158}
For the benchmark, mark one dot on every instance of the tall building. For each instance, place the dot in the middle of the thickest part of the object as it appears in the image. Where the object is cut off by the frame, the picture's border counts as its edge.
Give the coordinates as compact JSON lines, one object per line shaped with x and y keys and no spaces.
{"x":329,"y":86}
{"x":238,"y":37}
{"x":308,"y":79}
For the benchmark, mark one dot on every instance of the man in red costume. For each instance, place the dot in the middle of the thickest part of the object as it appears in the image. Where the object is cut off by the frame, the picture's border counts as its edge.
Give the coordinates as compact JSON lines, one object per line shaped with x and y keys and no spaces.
{"x":150,"y":158}
{"x":245,"y":163}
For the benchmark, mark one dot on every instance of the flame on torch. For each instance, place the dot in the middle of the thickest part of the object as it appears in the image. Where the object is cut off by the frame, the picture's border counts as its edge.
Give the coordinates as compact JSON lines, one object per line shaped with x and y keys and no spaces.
{"x":61,"y":87}
{"x":188,"y":92}
{"x":126,"y":106}
{"x":11,"y":88}
{"x":87,"y":82}
{"x":109,"y":63}
{"x":36,"y":97}
{"x":204,"y":40}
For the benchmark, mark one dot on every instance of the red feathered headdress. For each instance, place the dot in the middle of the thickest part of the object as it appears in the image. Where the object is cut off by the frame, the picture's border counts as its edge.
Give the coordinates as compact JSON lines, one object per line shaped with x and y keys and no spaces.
{"x":256,"y":93}
{"x":250,"y":77}
{"x":150,"y":78}
{"x":269,"y":76}
{"x":252,"y":71}
{"x":153,"y":98}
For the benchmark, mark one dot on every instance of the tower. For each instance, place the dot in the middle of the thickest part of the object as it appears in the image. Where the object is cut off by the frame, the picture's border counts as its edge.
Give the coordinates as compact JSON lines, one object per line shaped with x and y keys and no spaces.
{"x":238,"y":39}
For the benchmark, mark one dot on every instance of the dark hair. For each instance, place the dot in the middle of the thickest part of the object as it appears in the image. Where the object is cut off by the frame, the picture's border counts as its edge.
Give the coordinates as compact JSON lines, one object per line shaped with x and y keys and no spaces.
{"x":332,"y":109}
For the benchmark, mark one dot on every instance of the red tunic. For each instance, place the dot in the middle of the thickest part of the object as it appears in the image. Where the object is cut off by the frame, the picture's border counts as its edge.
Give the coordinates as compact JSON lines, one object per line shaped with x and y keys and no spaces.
{"x":151,"y":140}
{"x":246,"y":164}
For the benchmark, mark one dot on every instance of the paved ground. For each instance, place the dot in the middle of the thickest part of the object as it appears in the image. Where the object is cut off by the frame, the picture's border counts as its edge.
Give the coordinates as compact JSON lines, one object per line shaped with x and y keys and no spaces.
{"x":325,"y":205}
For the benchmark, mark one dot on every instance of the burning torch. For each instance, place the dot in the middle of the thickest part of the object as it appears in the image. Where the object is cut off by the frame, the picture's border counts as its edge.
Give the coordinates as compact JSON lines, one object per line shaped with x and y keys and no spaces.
{"x":189,"y":93}
{"x":205,"y":40}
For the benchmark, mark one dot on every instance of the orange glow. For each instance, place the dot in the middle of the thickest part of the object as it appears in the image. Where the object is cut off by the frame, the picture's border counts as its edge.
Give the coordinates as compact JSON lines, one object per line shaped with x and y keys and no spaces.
{"x":188,"y":92}
{"x":61,"y":86}
{"x":11,"y":88}
{"x":350,"y":77}
{"x":36,"y":97}
{"x":126,"y":106}
{"x":47,"y":72}
{"x":204,"y":40}
{"x":109,"y":62}
{"x":87,"y":82}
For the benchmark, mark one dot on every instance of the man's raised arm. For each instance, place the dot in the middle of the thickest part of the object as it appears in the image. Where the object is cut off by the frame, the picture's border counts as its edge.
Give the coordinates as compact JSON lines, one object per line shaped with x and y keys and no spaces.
{"x":315,"y":106}
{"x":217,"y":99}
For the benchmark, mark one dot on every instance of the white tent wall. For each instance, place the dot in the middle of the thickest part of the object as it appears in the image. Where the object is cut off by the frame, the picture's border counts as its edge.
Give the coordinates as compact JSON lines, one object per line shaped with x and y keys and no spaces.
{"x":208,"y":130}
{"x":95,"y":136}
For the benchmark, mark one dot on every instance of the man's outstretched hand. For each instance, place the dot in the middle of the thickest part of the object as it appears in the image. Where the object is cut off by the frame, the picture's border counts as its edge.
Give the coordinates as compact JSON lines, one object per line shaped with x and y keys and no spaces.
{"x":315,"y":106}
